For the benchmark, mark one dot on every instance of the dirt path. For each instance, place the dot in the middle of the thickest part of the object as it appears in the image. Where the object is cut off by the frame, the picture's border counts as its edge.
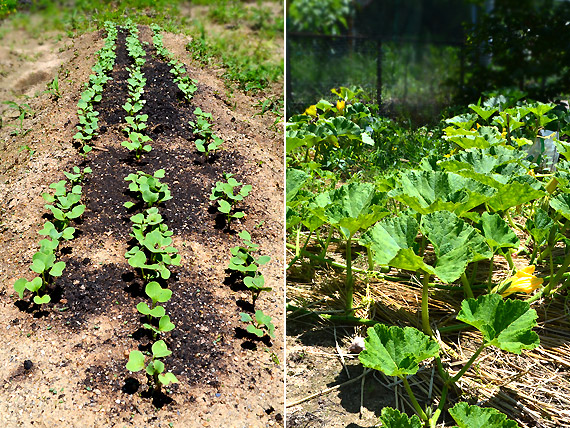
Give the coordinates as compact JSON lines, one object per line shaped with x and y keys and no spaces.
{"x":64,"y":366}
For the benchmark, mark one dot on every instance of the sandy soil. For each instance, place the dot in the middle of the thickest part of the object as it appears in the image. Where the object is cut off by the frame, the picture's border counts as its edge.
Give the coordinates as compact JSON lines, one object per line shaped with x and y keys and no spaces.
{"x":64,"y":365}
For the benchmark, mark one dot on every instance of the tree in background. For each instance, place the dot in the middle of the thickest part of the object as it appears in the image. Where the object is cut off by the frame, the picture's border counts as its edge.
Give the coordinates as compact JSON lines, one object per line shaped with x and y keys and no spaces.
{"x":523,"y":44}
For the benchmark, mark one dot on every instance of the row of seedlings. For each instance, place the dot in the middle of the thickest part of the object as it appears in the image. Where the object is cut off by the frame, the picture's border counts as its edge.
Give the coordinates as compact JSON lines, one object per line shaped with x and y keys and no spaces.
{"x":187,"y":85}
{"x":88,"y":116}
{"x":154,"y":254}
{"x":136,"y":142}
{"x":246,"y":265}
{"x":207,"y":142}
{"x":227,"y":195}
{"x":64,"y":203}
{"x":65,"y":206}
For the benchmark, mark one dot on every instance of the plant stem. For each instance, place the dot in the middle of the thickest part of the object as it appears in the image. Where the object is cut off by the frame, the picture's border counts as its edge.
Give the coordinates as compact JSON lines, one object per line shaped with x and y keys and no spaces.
{"x":554,"y":280}
{"x":442,"y":400}
{"x":509,"y":260}
{"x":349,"y":277}
{"x":474,"y":272}
{"x":466,"y":366}
{"x":370,"y":259}
{"x":467,"y":286}
{"x":490,"y":277}
{"x":324,"y":260}
{"x":425,"y":309}
{"x":327,"y":243}
{"x":415,"y":403}
{"x":340,"y":319}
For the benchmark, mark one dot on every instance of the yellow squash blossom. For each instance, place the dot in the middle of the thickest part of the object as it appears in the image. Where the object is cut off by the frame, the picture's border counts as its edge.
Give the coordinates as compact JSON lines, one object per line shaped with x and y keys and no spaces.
{"x":311,"y":111}
{"x":340,"y":105}
{"x":522,"y":282}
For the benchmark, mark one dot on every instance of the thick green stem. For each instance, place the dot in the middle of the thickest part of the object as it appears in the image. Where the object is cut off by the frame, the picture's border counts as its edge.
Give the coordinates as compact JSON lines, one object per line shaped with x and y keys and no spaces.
{"x":425,"y":308}
{"x":297,"y":241}
{"x":415,"y":403}
{"x":442,"y":400}
{"x":554,"y":280}
{"x":490,"y":277}
{"x":328,"y":241}
{"x":509,"y":260}
{"x":474,"y":272}
{"x":349,"y":277}
{"x":467,"y":286}
{"x":324,"y":260}
{"x":299,"y":250}
{"x":370,"y":259}
{"x":466,"y":366}
{"x":335,"y":319}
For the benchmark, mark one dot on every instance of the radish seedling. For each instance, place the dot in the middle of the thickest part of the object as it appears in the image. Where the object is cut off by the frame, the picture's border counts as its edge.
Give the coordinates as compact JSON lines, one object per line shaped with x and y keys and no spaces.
{"x":77,"y":176}
{"x":158,"y":295}
{"x":227,"y":196}
{"x":136,"y":144}
{"x":259,"y":325}
{"x":155,"y":368}
{"x":152,"y":191}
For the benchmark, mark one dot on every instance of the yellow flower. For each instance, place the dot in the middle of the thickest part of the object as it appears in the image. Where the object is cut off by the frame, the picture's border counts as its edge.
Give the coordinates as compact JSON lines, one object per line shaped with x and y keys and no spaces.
{"x":523,"y":282}
{"x":504,"y":133}
{"x":451,"y":153}
{"x":311,"y":111}
{"x":340,"y":105}
{"x":478,"y":126}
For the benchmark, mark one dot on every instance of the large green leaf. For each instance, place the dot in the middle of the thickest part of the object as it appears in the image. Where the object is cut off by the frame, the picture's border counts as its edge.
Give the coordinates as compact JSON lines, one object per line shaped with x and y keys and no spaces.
{"x":430,"y":191}
{"x":484,"y":112}
{"x":513,"y":194}
{"x":506,"y":324}
{"x":354,"y":206}
{"x":468,"y":416}
{"x":392,"y":418}
{"x":561,"y":203}
{"x":397,"y":351}
{"x":296,"y":178}
{"x":392,"y":242}
{"x":497,"y":232}
{"x":455,"y":243}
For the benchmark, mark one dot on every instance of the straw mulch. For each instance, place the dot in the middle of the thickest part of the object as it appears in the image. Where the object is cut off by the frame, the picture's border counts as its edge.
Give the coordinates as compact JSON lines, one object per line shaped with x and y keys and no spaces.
{"x":532,"y":388}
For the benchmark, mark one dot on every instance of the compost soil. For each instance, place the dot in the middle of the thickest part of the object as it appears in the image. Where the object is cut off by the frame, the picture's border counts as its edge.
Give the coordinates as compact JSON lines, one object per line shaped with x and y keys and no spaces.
{"x":64,"y":364}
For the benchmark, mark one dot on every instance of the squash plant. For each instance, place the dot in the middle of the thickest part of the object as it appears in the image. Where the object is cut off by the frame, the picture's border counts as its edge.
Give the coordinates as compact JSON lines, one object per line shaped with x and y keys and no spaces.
{"x":396,"y":351}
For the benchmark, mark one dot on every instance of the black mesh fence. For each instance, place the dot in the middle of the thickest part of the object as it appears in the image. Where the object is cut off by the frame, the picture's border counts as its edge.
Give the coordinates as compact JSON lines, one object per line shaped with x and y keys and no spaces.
{"x":409,"y":78}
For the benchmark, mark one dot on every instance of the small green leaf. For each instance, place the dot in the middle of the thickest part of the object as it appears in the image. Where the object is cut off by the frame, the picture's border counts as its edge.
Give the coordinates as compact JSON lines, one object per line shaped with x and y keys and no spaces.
{"x":244,"y":317}
{"x":167,"y":378}
{"x":136,"y":361}
{"x":143,"y":308}
{"x":159,"y":349}
{"x":157,"y":293}
{"x":468,"y":416}
{"x":392,"y":418}
{"x":397,"y":351}
{"x":164,"y":325}
{"x":35,"y":284}
{"x":20,"y":286}
{"x":254,"y":330}
{"x":57,"y":269}
{"x":506,"y":324}
{"x":41,"y":300}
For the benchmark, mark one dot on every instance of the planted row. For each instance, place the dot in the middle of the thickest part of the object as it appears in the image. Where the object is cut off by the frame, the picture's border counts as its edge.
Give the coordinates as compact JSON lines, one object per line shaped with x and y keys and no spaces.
{"x":64,"y":206}
{"x":137,"y":142}
{"x":187,"y":85}
{"x":88,"y":122}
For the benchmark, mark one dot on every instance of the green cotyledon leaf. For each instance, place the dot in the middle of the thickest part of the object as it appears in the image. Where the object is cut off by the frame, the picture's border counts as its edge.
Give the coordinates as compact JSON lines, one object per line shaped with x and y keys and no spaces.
{"x":393,"y":243}
{"x":397,"y":351}
{"x":354,"y":206}
{"x":468,"y":416}
{"x":506,"y":324}
{"x":430,"y":191}
{"x":392,"y":418}
{"x":455,"y":243}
